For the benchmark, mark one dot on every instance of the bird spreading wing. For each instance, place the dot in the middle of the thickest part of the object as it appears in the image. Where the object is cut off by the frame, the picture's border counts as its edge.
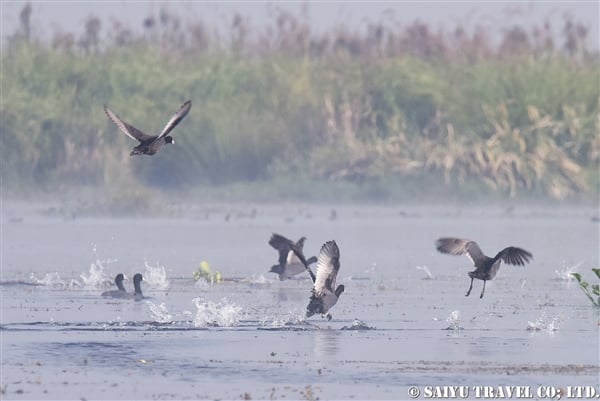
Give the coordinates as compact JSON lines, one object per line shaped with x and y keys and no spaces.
{"x":514,"y":256}
{"x":126,"y":128}
{"x":176,"y":119}
{"x":457,"y":246}
{"x":328,"y":265}
{"x":283,"y":245}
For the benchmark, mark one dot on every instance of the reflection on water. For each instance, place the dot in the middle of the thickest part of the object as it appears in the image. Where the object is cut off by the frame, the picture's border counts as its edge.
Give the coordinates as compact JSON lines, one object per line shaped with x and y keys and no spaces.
{"x":327,"y":344}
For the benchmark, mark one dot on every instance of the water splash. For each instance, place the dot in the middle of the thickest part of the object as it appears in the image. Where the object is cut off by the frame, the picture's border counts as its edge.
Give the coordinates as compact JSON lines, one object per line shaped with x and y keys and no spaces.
{"x":544,"y":323}
{"x":428,"y":274}
{"x":358,"y":325}
{"x":202,"y":284}
{"x":221,"y":314}
{"x":160,"y":313}
{"x":276,"y":322}
{"x":453,"y":320}
{"x":565,"y":273}
{"x":96,"y":278}
{"x":156,"y":276}
{"x":49,"y":280}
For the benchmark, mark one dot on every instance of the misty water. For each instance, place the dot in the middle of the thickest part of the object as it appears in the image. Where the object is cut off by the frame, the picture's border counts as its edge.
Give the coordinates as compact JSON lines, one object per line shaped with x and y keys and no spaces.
{"x":404,"y":319}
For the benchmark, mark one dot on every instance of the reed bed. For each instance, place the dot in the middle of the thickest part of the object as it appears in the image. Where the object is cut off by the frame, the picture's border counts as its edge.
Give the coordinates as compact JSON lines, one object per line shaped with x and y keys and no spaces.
{"x":392,"y":104}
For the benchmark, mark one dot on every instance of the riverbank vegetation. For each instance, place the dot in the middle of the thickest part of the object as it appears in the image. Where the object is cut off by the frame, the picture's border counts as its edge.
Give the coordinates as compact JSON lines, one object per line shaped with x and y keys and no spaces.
{"x":396,"y":108}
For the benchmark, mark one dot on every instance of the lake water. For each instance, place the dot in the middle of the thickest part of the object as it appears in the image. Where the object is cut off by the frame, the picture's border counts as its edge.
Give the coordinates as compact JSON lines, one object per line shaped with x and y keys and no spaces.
{"x":403,"y":321}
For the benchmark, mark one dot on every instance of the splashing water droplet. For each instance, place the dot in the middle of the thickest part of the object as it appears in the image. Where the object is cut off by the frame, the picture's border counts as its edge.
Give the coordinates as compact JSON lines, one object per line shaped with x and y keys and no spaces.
{"x":156,"y":276}
{"x":453,"y":320}
{"x":96,"y":278}
{"x":221,"y":314}
{"x":160,"y":313}
{"x":543,"y":323}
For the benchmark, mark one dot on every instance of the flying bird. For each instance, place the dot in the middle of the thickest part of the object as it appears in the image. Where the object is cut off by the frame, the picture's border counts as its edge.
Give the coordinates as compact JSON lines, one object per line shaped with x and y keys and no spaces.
{"x":289,"y":263}
{"x":149,"y":144}
{"x":120,"y":288}
{"x":485,"y":267}
{"x":324,"y":293}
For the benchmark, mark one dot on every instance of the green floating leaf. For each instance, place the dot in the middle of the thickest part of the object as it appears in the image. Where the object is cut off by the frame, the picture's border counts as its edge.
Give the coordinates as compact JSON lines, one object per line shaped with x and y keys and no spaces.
{"x":597,"y":271}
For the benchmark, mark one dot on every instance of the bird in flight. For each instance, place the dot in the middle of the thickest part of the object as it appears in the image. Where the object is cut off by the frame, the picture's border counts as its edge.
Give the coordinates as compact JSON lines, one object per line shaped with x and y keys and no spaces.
{"x":150,"y":144}
{"x":324,"y":293}
{"x":289,"y":264}
{"x":485,"y":267}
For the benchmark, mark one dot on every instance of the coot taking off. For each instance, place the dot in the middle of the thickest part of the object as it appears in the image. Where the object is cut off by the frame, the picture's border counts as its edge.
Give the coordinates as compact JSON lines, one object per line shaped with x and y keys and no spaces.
{"x":289,"y":264}
{"x":149,"y":144}
{"x":486,"y":267}
{"x":119,"y":283}
{"x":324,"y":293}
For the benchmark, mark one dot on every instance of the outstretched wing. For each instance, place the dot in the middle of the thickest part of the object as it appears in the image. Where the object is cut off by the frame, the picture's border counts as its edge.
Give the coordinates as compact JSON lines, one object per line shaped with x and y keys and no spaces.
{"x":282,"y":245}
{"x":457,"y":246}
{"x":328,"y":265}
{"x":126,"y":128}
{"x":176,"y":119}
{"x":514,"y":256}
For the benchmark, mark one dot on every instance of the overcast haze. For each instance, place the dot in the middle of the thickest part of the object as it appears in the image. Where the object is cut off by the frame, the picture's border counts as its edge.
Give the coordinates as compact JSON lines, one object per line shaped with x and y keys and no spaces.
{"x":49,"y":17}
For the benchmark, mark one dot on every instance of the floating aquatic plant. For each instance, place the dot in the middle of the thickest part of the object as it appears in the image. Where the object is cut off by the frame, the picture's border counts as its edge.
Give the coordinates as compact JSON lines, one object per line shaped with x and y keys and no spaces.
{"x":590,"y":291}
{"x":204,"y":272}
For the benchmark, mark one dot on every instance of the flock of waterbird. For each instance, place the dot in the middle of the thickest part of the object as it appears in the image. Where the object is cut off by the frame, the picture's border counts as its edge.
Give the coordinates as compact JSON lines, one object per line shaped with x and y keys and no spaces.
{"x":291,"y":261}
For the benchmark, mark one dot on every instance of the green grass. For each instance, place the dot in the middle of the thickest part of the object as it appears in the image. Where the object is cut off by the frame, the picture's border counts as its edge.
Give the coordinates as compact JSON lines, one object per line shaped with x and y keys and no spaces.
{"x":339,"y":124}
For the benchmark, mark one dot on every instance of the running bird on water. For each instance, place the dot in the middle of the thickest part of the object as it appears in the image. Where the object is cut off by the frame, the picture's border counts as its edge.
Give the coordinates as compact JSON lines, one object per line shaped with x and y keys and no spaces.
{"x":149,"y":144}
{"x":119,"y":283}
{"x":324,"y":293}
{"x":289,"y":264}
{"x":486,"y":267}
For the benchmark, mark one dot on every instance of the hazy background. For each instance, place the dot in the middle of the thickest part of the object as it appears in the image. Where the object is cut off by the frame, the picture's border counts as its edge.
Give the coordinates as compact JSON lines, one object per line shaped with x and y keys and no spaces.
{"x":304,"y":101}
{"x":70,"y":16}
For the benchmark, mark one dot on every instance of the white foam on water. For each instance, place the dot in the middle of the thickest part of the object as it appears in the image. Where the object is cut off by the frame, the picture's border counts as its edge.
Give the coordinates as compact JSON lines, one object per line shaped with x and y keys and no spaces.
{"x":453,"y":320}
{"x":160,"y":313}
{"x":220,"y":314}
{"x":156,"y":277}
{"x":565,"y":273}
{"x":544,"y":323}
{"x":428,"y":274}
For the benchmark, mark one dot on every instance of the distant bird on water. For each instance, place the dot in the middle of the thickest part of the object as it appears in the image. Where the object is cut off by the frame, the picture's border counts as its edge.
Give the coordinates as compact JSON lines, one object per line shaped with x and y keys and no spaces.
{"x":149,"y":144}
{"x":486,"y":267}
{"x":289,"y":263}
{"x":120,"y":291}
{"x":137,"y":287}
{"x":324,"y":293}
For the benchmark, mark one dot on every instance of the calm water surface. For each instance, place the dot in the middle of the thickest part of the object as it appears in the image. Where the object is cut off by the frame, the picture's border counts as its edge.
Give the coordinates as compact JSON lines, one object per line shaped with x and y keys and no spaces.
{"x":403,"y":320}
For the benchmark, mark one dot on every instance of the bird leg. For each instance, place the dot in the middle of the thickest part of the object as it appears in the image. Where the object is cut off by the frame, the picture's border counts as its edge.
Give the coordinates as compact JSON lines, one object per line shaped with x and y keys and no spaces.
{"x":470,"y":288}
{"x":482,"y":291}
